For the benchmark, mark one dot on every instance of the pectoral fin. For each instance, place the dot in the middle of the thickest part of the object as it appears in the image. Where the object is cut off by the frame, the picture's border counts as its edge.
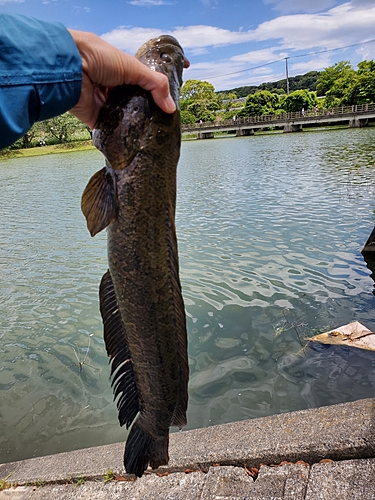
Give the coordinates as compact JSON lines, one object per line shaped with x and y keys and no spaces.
{"x":99,"y":201}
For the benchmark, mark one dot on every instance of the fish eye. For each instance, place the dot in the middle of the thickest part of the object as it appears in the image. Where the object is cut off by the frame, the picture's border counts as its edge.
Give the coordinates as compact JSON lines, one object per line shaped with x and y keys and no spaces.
{"x":165,"y":57}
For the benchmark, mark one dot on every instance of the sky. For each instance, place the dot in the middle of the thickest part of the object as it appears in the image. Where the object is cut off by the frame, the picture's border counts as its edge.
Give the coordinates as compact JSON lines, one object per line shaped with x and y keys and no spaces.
{"x":230,"y":43}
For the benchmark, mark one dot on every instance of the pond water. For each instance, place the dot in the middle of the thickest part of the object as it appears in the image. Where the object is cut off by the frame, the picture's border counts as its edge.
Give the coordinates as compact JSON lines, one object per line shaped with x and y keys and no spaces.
{"x":270,"y":233}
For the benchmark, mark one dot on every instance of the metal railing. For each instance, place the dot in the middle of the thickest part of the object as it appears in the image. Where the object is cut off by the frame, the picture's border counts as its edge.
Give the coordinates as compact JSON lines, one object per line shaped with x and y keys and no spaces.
{"x":307,"y":115}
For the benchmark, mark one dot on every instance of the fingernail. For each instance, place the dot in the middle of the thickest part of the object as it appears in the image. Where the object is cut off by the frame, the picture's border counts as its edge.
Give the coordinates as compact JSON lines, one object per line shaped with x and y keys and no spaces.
{"x":170,"y":104}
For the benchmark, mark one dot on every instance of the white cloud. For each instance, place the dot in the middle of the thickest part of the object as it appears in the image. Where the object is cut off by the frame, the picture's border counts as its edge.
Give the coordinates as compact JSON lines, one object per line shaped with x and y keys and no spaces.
{"x":367,"y":51}
{"x":3,"y":2}
{"x":199,"y":36}
{"x":259,"y":56}
{"x":339,"y":26}
{"x":234,"y":72}
{"x":243,"y":70}
{"x":194,"y":38}
{"x":209,"y":3}
{"x":79,"y":9}
{"x":301,"y":67}
{"x":130,"y":39}
{"x":302,"y":5}
{"x":346,"y":24}
{"x":148,"y":3}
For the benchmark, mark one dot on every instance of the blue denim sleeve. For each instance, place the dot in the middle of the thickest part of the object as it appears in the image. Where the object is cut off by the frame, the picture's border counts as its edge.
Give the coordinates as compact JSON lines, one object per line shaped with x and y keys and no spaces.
{"x":40,"y":74}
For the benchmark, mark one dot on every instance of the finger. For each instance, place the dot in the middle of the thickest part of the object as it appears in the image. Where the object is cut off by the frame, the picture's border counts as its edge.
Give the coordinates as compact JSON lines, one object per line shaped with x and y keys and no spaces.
{"x":108,"y":66}
{"x":158,"y":85}
{"x":129,"y":70}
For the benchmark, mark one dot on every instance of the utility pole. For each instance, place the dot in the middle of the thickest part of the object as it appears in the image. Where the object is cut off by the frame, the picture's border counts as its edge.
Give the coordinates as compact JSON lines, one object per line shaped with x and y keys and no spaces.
{"x":286,"y":74}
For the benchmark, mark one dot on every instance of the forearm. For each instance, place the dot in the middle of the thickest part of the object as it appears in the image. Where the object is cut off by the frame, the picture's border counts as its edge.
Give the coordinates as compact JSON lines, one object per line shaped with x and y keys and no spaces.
{"x":40,"y":74}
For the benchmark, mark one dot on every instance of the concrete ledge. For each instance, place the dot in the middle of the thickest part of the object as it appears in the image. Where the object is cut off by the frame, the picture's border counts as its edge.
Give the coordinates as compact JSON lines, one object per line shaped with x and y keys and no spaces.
{"x":215,"y":459}
{"x":90,"y":462}
{"x":339,"y":432}
{"x":348,"y":480}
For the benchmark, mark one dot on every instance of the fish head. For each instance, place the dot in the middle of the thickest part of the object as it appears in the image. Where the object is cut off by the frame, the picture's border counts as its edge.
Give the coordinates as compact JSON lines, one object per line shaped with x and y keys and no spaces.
{"x":165,"y":55}
{"x":122,"y":127}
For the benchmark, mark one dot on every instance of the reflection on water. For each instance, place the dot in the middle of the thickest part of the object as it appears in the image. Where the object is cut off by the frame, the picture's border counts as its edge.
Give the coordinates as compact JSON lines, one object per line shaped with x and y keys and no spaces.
{"x":270,"y":233}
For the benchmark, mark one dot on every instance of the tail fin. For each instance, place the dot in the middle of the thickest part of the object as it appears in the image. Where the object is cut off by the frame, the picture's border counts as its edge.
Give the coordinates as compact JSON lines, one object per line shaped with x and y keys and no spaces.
{"x":141,"y":448}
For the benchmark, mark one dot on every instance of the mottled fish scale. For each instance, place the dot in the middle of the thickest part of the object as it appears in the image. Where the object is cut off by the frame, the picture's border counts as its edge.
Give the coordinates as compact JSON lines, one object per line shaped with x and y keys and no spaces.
{"x":141,"y":302}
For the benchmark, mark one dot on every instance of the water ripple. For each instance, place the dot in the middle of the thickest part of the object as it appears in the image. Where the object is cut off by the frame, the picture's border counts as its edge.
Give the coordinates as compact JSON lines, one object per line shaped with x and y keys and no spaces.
{"x":270,"y":232}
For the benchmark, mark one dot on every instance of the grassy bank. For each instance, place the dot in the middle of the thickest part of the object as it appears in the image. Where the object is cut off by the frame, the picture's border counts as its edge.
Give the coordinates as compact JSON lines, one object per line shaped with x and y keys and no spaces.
{"x":54,"y":149}
{"x":47,"y":150}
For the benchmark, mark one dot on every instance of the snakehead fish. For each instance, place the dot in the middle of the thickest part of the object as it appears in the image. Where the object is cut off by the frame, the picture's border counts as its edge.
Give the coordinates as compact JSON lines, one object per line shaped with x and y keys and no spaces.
{"x":134,"y":197}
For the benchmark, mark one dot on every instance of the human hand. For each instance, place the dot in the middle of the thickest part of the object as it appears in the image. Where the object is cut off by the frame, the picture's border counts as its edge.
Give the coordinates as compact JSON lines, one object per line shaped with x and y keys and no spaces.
{"x":104,"y":67}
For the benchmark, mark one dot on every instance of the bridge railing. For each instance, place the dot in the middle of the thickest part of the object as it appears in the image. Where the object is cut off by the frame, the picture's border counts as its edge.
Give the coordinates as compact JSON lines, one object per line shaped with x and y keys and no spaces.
{"x":319,"y":114}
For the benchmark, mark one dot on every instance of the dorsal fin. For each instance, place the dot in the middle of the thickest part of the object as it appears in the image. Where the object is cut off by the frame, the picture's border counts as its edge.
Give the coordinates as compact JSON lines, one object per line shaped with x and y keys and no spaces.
{"x":179,"y":415}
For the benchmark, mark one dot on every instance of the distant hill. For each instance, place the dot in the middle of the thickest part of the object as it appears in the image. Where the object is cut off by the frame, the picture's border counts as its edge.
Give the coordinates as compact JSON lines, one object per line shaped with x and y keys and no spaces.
{"x":307,"y":81}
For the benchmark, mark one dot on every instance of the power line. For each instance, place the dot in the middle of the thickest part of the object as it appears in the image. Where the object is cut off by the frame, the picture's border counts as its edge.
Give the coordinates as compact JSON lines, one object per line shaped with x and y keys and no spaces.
{"x":292,"y":57}
{"x":249,"y":69}
{"x":332,"y":50}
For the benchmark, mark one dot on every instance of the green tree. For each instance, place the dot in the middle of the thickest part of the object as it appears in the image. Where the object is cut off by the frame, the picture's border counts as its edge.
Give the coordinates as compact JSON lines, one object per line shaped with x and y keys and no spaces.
{"x":365,"y":91}
{"x":199,"y":99}
{"x":227,"y":100}
{"x":187,"y":117}
{"x":31,"y":138}
{"x":343,"y":91}
{"x":263,"y":102}
{"x":197,"y":89}
{"x":307,"y":81}
{"x":63,"y":127}
{"x":203,"y":109}
{"x":298,"y":100}
{"x":344,"y":86}
{"x":340,"y":72}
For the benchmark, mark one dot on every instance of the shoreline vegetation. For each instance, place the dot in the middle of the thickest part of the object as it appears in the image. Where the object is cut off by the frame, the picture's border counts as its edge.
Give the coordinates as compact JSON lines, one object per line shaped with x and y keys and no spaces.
{"x":70,"y":147}
{"x":87,"y":145}
{"x":315,"y":92}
